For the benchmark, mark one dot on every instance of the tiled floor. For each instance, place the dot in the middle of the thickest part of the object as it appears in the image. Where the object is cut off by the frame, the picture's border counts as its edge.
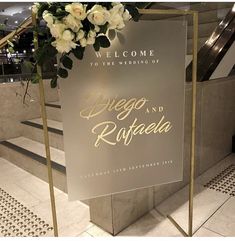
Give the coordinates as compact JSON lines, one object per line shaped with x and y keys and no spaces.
{"x":213,"y":211}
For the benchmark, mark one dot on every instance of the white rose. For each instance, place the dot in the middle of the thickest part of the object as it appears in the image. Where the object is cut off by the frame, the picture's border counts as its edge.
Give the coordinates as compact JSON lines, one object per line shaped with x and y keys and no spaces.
{"x":90,"y":40}
{"x":116,"y":19}
{"x":57,"y":29}
{"x":73,"y":23}
{"x":80,"y":35}
{"x":48,"y":17}
{"x":91,"y":33}
{"x":115,"y":3}
{"x":83,"y":42}
{"x":63,"y":46}
{"x":68,"y":35}
{"x":77,"y":10}
{"x":126,"y":15}
{"x":97,"y":28}
{"x":98,"y":15}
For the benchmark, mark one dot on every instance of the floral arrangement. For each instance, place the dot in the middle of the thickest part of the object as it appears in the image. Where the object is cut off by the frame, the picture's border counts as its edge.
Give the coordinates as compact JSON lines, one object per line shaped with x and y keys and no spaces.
{"x":71,"y":27}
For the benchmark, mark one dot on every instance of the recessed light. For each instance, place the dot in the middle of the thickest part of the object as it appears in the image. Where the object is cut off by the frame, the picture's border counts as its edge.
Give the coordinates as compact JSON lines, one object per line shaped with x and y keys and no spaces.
{"x":16,"y":22}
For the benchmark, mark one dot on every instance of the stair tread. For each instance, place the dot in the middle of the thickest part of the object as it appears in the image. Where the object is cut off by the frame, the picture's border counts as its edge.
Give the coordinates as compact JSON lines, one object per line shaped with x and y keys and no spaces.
{"x":51,"y":123}
{"x":38,"y":148}
{"x":54,"y":104}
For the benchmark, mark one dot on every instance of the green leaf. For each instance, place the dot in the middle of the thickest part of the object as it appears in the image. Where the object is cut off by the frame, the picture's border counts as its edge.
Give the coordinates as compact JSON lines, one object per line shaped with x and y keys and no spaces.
{"x":2,"y":27}
{"x":10,"y":43}
{"x":35,"y":78}
{"x":133,"y":12}
{"x":42,"y":8}
{"x":54,"y":82}
{"x":11,"y":50}
{"x":112,"y":34}
{"x":44,"y":53}
{"x":96,"y":45}
{"x":67,"y":62}
{"x":104,"y":28}
{"x":28,"y":66}
{"x":78,"y":52}
{"x":63,"y":73}
{"x":103,"y":41}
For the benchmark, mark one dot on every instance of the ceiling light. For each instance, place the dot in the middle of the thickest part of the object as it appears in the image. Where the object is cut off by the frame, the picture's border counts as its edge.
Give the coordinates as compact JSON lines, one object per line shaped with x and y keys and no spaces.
{"x":24,"y":51}
{"x":16,"y":22}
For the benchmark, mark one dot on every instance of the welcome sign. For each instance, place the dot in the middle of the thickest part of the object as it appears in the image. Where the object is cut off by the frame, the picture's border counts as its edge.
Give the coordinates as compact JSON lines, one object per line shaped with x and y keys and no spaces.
{"x":123,"y":112}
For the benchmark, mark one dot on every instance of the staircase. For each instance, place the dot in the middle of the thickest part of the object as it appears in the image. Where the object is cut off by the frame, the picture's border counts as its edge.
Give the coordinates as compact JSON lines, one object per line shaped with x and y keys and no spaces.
{"x":28,"y":150}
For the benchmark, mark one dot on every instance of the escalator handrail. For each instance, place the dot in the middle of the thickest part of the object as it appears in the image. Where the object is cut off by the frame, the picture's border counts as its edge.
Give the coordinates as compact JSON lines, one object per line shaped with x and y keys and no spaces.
{"x":217,"y":45}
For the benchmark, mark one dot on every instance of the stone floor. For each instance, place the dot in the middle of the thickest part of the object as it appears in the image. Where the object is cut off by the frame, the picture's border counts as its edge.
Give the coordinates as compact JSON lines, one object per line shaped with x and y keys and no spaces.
{"x":213,"y":210}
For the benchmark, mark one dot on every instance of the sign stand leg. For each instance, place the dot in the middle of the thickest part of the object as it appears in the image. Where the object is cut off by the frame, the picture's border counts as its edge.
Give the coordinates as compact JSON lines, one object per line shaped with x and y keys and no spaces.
{"x":46,"y":136}
{"x":194,"y":101}
{"x":193,"y":133}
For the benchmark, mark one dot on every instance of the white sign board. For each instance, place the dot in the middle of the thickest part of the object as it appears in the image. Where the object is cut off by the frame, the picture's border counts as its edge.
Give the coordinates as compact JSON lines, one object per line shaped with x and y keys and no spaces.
{"x":123,"y":112}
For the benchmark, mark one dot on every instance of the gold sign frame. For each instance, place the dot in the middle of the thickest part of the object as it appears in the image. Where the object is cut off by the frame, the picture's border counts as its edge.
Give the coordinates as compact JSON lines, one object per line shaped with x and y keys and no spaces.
{"x":194,"y":14}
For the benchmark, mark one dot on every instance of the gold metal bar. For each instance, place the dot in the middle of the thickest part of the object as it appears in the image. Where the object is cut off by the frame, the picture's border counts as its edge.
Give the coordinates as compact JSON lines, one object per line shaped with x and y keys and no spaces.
{"x":194,"y":99}
{"x":45,"y":130}
{"x":193,"y":137}
{"x":177,"y":226}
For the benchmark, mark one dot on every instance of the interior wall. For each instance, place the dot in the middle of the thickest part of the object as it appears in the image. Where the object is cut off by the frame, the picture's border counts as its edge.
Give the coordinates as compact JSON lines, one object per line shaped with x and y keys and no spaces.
{"x":13,"y":110}
{"x":215,"y":126}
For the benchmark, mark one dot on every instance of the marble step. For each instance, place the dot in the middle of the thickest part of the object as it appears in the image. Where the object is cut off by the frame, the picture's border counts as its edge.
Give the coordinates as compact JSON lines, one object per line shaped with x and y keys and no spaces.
{"x":30,"y":156}
{"x":54,"y":111}
{"x":33,"y":129}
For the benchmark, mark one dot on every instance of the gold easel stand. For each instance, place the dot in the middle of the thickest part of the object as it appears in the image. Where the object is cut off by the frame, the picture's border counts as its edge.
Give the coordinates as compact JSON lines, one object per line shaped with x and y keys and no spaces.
{"x":194,"y":14}
{"x":45,"y":132}
{"x":194,"y":81}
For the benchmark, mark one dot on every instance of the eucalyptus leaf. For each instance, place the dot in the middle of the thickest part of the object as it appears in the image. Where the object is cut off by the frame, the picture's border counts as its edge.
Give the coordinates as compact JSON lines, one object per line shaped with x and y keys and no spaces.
{"x":133,"y":12}
{"x":96,"y":45}
{"x":78,"y":52}
{"x":67,"y":62}
{"x":36,"y":78}
{"x":54,"y":82}
{"x":42,"y":8}
{"x":28,"y":66}
{"x":103,"y":41}
{"x":112,"y":34}
{"x":63,"y":73}
{"x":10,"y":43}
{"x":104,"y":28}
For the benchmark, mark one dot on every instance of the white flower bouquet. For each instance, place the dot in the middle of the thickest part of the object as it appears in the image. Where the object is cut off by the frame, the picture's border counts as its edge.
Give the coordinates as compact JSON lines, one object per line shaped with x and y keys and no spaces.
{"x":73,"y":26}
